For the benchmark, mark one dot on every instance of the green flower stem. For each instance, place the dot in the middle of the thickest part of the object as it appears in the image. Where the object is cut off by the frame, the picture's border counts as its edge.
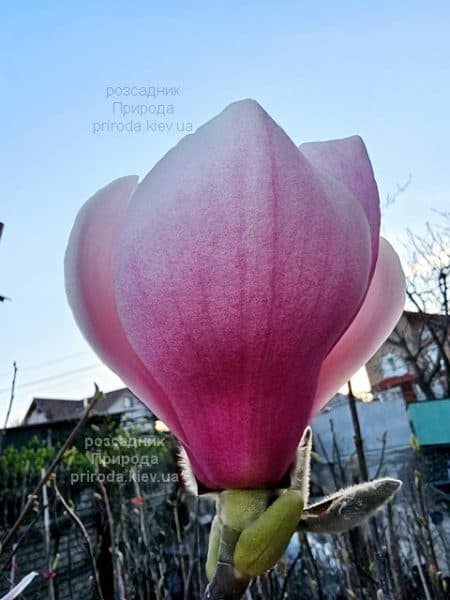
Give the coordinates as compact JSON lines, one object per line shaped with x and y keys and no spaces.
{"x":226,"y":582}
{"x":248,"y":536}
{"x":236,"y":510}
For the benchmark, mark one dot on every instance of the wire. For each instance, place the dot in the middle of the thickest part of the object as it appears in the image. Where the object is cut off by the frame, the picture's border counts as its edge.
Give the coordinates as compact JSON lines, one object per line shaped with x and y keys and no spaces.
{"x":48,"y":362}
{"x":52,"y":377}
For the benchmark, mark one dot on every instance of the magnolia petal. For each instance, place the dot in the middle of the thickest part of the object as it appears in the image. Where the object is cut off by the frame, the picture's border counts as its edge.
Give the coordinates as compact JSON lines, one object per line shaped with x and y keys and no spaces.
{"x":347,"y":161}
{"x":238,"y":267}
{"x":89,"y":288}
{"x":372,"y":325}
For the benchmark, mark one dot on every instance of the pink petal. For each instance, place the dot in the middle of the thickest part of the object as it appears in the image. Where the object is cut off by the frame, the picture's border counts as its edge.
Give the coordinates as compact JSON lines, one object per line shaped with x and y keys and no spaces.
{"x":88,"y":273}
{"x":347,"y":161}
{"x":238,"y":267}
{"x":373,"y":324}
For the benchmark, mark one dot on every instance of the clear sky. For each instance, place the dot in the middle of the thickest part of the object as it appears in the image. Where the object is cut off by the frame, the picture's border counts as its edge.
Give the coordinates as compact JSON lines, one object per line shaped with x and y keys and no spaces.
{"x":322,"y":70}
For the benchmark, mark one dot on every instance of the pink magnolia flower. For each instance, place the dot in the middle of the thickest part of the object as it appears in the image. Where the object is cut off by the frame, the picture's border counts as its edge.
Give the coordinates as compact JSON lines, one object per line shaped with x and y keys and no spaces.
{"x":237,"y":287}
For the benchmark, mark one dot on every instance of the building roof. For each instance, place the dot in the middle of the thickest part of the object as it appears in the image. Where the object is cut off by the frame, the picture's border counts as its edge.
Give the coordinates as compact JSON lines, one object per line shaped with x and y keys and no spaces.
{"x":413,"y":315}
{"x":55,"y":409}
{"x":393,"y":381}
{"x":110,"y":398}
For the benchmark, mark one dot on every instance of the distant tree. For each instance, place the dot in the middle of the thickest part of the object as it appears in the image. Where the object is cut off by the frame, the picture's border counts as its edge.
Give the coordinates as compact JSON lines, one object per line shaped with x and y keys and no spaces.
{"x":424,"y":338}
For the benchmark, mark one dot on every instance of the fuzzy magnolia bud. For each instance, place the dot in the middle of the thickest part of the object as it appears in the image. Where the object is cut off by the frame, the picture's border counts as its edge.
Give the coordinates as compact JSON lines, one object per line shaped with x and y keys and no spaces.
{"x":239,"y":508}
{"x":261,"y":545}
{"x":349,"y":507}
{"x":300,"y":475}
{"x":213,"y":548}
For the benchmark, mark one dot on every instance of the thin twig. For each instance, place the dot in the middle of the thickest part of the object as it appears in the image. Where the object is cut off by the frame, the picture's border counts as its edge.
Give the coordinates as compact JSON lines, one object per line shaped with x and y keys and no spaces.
{"x":8,"y":412}
{"x":23,"y":536}
{"x":383,"y":451}
{"x":337,"y":454}
{"x":289,"y":574}
{"x":47,"y":541}
{"x":313,"y":565}
{"x":114,"y":550}
{"x":375,"y":549}
{"x":180,"y":543}
{"x":59,"y":455}
{"x":85,"y":535}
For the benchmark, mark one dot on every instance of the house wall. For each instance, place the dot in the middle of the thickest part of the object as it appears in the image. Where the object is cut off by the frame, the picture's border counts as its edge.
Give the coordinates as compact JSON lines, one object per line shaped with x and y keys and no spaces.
{"x":390,"y":360}
{"x":376,"y":419}
{"x":36,"y":417}
{"x":131,"y":408}
{"x":376,"y":366}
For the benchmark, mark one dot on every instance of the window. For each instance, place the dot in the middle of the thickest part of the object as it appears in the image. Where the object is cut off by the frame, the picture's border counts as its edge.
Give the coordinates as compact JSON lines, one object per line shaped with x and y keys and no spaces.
{"x":393,"y":365}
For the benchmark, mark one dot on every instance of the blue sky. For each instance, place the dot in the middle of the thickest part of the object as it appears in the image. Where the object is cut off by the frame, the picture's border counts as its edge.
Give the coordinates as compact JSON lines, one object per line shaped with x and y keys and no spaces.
{"x":322,"y":71}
